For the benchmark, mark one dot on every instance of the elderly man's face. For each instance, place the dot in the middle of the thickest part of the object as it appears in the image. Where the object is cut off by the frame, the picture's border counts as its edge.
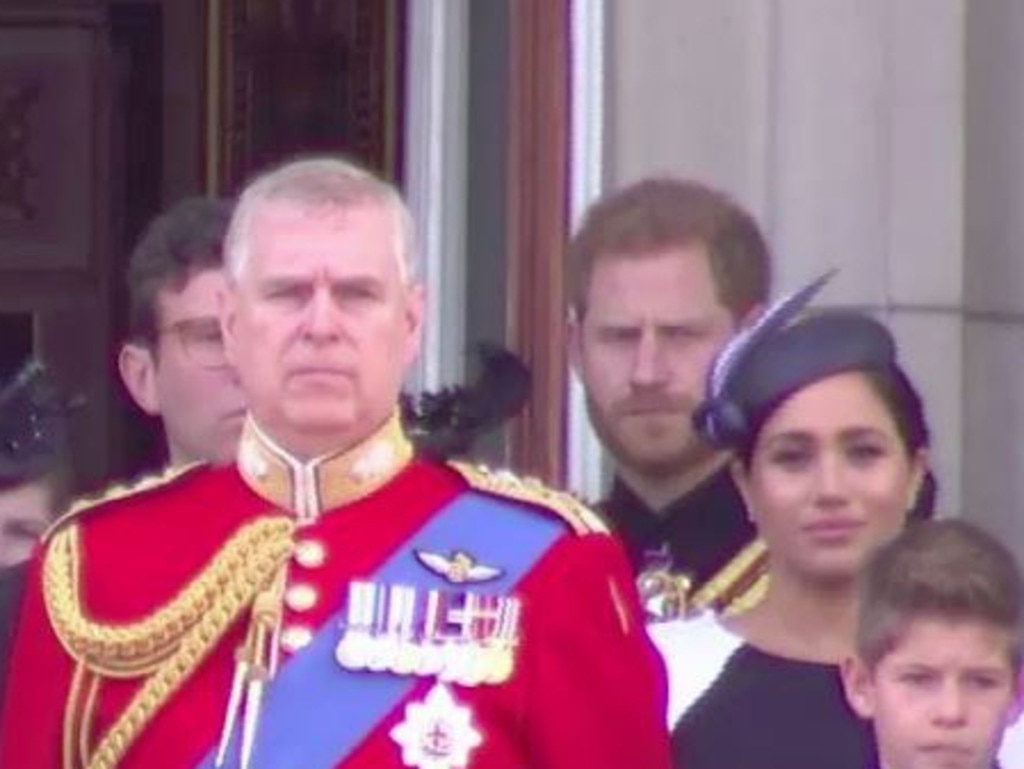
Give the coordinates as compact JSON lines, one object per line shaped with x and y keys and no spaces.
{"x":322,"y":324}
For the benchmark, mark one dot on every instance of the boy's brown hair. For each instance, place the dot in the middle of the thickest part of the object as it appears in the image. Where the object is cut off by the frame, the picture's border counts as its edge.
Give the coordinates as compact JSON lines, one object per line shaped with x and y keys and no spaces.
{"x":660,"y":213}
{"x":947,"y":570}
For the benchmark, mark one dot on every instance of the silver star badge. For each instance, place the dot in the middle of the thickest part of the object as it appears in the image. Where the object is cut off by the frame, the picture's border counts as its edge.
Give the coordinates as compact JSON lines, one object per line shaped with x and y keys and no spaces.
{"x":437,"y":733}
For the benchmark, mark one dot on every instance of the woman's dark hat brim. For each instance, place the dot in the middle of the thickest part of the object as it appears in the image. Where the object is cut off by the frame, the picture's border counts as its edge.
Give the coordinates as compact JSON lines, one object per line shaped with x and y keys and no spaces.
{"x":811,"y":349}
{"x":808,"y":350}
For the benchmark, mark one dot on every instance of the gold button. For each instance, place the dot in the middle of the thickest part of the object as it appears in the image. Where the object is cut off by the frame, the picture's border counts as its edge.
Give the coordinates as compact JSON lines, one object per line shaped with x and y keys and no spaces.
{"x":300,"y":597}
{"x":310,"y":553}
{"x":295,"y":637}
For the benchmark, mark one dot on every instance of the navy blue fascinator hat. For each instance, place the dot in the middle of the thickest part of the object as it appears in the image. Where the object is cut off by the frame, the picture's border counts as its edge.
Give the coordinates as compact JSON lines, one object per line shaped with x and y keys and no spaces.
{"x":780,"y":354}
{"x":33,"y":425}
{"x":783,"y":352}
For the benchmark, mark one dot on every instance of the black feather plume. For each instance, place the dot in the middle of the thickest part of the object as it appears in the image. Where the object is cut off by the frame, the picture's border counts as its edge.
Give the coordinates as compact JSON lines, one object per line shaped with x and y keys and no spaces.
{"x":446,"y":423}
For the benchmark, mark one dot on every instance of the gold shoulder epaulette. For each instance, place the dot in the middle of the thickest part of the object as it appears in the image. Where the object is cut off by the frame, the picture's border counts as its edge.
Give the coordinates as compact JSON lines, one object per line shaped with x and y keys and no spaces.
{"x":739,"y":584}
{"x":504,"y":483}
{"x":120,"y":491}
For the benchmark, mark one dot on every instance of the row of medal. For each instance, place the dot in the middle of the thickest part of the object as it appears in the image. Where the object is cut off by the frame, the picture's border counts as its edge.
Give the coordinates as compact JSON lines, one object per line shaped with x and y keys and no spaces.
{"x":461,"y":637}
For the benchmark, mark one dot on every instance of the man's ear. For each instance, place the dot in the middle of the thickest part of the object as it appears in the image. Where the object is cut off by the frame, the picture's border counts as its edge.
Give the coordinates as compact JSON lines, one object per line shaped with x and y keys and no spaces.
{"x":137,"y":367}
{"x":414,"y":312}
{"x":858,"y":685}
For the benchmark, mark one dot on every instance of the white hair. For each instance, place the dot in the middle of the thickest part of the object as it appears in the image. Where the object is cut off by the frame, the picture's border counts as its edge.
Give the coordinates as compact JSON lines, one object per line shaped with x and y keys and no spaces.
{"x":317,"y":182}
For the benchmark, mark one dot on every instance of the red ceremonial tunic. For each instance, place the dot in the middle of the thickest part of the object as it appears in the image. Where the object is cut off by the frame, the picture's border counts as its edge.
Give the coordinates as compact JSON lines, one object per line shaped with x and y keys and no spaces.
{"x":587,"y":688}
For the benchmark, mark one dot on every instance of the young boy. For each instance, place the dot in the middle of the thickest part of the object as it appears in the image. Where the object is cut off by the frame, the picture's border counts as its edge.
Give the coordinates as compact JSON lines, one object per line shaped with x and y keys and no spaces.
{"x":938,"y":651}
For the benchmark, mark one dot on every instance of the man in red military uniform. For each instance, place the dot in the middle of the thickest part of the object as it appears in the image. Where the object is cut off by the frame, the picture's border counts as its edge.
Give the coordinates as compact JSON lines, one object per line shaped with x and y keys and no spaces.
{"x":331,"y":600}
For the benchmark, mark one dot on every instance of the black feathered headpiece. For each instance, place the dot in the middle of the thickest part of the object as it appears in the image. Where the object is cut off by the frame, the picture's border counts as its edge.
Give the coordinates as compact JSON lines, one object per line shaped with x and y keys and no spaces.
{"x":779,"y":355}
{"x":446,"y":424}
{"x":783,"y":353}
{"x":33,"y":425}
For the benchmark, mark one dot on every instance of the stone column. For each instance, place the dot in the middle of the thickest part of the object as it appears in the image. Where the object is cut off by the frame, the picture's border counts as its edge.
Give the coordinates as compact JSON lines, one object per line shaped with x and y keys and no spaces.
{"x":840,"y":124}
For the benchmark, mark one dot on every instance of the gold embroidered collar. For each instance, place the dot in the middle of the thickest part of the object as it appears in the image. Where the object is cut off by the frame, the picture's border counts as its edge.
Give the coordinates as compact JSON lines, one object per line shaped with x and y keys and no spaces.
{"x":309,"y":488}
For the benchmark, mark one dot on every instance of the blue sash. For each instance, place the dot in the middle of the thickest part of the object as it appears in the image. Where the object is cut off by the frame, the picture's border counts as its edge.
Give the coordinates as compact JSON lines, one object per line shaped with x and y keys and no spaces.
{"x":315,"y":712}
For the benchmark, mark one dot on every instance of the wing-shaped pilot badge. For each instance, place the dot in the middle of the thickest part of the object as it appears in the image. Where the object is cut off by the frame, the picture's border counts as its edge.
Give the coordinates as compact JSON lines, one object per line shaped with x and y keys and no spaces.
{"x":458,"y":568}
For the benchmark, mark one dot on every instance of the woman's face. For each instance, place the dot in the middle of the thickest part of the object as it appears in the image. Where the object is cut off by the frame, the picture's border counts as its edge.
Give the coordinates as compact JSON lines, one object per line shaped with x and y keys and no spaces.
{"x":829,"y":479}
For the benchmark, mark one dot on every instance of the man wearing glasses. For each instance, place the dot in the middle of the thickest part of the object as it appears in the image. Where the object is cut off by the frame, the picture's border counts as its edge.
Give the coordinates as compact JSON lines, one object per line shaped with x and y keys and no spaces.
{"x":173,"y":363}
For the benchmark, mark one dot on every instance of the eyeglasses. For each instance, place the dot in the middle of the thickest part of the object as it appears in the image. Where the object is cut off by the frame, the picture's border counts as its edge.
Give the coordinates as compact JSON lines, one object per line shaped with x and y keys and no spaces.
{"x":200,"y":340}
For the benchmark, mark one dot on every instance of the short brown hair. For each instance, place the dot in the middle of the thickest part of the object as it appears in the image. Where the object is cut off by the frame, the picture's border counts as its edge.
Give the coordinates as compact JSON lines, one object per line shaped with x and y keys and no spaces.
{"x":178,"y":243}
{"x":949,"y":570}
{"x":655,"y":214}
